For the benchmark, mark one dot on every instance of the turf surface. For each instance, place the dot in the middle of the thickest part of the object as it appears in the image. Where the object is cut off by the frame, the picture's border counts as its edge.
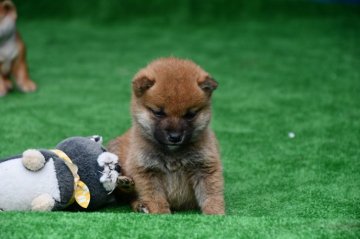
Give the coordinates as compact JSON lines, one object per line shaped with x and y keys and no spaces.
{"x":277,"y":75}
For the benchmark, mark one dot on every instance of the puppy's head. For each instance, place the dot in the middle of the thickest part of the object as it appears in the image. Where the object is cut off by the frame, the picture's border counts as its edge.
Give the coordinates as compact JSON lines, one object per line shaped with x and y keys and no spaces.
{"x":171,"y":101}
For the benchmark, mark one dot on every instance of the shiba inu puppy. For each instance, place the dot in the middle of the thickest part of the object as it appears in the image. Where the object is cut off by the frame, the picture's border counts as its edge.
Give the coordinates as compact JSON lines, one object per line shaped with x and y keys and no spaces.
{"x":12,"y":52}
{"x":170,"y":151}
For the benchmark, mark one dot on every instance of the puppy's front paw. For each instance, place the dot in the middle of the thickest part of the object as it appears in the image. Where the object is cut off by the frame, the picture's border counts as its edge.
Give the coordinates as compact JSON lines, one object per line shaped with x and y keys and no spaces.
{"x":143,"y":209}
{"x":140,"y":207}
{"x":125,"y":184}
{"x":213,"y":206}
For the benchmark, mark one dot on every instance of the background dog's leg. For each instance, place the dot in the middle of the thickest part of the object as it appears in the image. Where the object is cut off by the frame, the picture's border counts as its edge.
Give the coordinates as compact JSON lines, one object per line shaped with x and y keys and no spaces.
{"x":3,"y":87}
{"x":8,"y":84}
{"x":19,"y":69}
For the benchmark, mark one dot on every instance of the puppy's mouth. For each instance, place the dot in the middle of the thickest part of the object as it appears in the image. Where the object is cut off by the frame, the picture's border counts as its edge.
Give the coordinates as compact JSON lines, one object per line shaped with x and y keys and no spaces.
{"x":172,"y":146}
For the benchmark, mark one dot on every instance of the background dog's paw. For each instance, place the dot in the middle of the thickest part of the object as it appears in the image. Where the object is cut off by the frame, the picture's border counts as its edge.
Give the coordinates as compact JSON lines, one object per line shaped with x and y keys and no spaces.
{"x":27,"y":86}
{"x":33,"y":160}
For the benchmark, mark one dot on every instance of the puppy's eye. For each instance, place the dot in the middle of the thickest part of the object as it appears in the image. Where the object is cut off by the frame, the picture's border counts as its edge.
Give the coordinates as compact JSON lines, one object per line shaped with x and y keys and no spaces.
{"x":158,"y":113}
{"x":190,"y":115}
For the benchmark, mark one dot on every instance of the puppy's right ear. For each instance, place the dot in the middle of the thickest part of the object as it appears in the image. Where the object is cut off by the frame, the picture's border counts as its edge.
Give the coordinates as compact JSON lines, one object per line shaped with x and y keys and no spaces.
{"x":207,"y":84}
{"x":142,"y":83}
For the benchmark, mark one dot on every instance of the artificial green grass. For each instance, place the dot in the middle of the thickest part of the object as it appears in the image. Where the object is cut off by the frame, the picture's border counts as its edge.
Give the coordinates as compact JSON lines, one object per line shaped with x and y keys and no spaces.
{"x":286,"y":74}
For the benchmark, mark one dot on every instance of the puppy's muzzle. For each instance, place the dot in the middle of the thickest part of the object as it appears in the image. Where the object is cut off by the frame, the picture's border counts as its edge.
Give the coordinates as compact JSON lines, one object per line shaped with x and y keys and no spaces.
{"x":175,"y":137}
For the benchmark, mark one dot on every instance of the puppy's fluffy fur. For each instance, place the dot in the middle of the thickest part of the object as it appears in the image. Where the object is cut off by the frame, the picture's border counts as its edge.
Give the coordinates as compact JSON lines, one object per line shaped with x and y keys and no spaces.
{"x":12,"y":52}
{"x":170,"y":151}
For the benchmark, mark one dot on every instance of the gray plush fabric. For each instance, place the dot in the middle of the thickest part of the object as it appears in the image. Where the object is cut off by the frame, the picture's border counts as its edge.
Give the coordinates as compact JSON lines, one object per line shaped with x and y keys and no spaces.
{"x":84,"y":153}
{"x":64,"y":177}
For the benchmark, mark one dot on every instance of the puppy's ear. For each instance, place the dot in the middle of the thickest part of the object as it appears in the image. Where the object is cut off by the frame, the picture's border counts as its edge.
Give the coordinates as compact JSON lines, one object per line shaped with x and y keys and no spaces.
{"x":142,"y":83}
{"x":207,"y":84}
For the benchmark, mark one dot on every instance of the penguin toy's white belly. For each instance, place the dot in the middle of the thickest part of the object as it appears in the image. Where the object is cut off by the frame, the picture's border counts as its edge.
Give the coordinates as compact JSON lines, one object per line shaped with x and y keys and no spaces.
{"x":19,"y":186}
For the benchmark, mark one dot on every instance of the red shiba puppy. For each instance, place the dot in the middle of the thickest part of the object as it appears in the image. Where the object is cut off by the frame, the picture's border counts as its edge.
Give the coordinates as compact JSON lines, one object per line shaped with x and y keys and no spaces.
{"x":170,"y":151}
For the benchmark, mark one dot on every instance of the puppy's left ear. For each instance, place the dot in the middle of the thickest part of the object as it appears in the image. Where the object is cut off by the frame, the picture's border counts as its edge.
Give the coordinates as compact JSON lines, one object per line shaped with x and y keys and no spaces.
{"x":208,"y":84}
{"x":141,"y":83}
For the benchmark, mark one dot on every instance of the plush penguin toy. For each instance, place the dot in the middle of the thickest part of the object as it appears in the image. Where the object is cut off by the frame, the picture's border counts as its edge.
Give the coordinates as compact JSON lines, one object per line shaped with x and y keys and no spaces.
{"x":79,"y":172}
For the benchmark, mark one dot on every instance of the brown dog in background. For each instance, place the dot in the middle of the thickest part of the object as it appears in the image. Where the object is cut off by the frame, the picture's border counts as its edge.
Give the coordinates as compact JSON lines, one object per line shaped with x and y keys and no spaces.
{"x":12,"y":52}
{"x":170,"y":151}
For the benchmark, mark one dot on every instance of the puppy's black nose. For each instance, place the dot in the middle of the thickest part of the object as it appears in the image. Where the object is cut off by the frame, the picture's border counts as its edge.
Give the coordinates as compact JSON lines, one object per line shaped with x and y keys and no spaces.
{"x":175,"y":137}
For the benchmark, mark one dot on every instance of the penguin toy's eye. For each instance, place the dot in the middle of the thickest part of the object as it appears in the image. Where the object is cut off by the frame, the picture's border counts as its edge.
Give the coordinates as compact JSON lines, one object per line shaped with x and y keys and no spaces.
{"x":97,"y":139}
